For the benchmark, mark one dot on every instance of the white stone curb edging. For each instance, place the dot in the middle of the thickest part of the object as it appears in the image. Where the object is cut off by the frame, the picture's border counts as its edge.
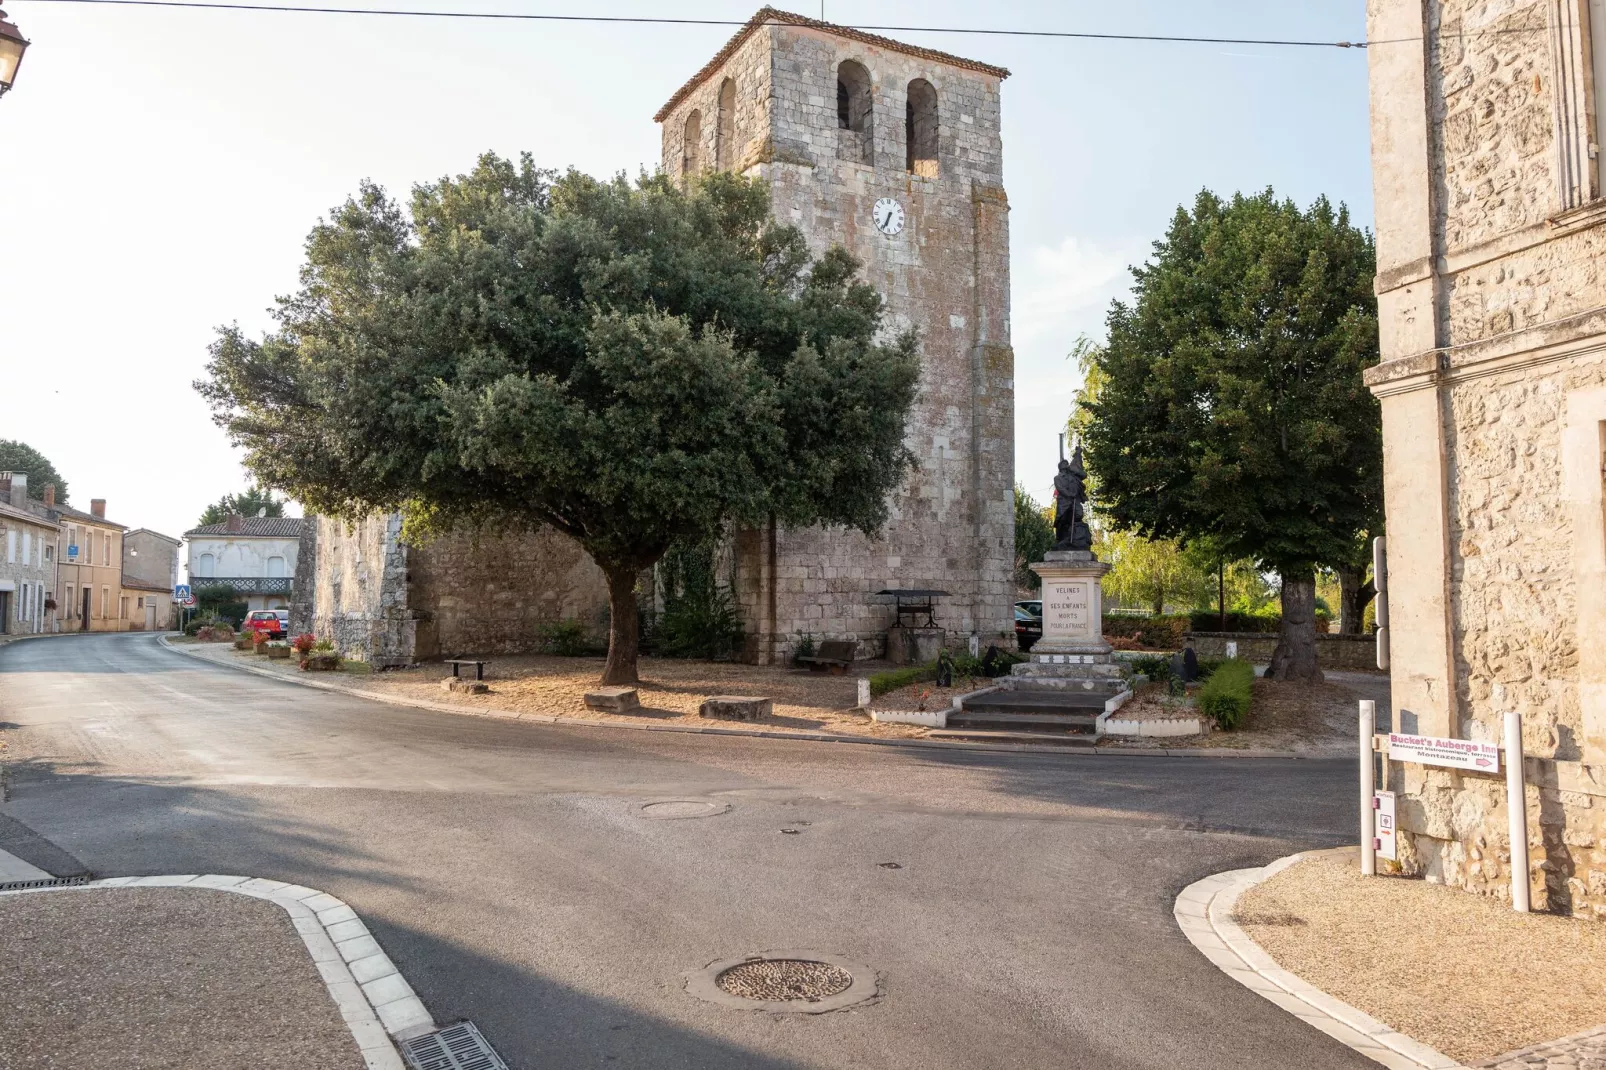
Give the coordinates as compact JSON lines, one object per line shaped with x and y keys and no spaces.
{"x":373,"y":997}
{"x":1204,"y":912}
{"x":1225,"y":753}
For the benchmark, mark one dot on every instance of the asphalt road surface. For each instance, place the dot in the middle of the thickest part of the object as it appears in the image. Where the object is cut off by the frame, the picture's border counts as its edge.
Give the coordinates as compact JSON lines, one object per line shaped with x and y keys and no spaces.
{"x":508,"y":871}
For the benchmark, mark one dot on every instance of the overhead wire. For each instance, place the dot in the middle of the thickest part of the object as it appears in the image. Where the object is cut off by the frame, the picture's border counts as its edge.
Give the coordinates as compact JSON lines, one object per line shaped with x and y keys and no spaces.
{"x":669,"y":21}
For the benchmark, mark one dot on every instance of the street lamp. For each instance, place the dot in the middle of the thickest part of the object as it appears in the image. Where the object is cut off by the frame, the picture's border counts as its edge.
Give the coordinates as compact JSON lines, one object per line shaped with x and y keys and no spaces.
{"x":12,"y":46}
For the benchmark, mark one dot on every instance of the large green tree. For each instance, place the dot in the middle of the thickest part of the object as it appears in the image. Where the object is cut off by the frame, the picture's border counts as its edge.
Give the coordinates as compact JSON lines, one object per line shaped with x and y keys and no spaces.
{"x":1233,"y":406}
{"x":630,"y":363}
{"x":252,"y":501}
{"x":20,"y":457}
{"x":1034,"y":537}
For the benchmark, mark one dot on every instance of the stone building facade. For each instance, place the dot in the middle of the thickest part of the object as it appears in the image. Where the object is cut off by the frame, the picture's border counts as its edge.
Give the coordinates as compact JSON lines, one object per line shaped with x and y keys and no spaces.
{"x":28,"y":542}
{"x":388,"y":602}
{"x":839,"y":122}
{"x":1488,"y":118}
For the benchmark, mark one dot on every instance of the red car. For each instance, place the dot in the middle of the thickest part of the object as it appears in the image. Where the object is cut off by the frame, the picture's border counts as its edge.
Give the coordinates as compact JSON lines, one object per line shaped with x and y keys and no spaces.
{"x":266,"y":622}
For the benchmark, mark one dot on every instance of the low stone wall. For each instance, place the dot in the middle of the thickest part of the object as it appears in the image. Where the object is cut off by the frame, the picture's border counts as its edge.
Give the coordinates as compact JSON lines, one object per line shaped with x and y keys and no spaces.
{"x":1332,"y":651}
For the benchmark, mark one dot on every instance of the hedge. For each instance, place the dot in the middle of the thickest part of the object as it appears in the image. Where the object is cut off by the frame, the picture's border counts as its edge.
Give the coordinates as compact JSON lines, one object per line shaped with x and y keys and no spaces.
{"x":1157,"y":633}
{"x":892,"y":679}
{"x":1225,"y":696}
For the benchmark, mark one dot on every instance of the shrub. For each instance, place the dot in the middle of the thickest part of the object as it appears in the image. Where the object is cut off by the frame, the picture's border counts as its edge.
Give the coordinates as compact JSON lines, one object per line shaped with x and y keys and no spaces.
{"x":1225,"y":696}
{"x":1156,"y":633}
{"x":1154,"y":666}
{"x":805,"y":646}
{"x":304,"y":643}
{"x":893,"y":679}
{"x":1208,"y":620}
{"x":567,"y":638}
{"x":699,"y":618}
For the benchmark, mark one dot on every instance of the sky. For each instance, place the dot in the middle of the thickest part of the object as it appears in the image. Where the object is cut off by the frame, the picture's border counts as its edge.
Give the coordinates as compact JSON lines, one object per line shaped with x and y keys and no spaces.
{"x":160,"y":170}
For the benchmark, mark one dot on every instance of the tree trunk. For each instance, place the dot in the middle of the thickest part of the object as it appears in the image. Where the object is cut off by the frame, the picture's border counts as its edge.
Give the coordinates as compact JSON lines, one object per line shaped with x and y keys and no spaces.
{"x":1355,"y":592}
{"x":624,"y":626}
{"x":1295,"y":656}
{"x":1221,"y":591}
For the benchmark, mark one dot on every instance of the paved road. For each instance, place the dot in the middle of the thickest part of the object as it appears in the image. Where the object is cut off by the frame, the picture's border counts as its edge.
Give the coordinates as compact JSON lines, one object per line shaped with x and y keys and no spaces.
{"x":505,"y":868}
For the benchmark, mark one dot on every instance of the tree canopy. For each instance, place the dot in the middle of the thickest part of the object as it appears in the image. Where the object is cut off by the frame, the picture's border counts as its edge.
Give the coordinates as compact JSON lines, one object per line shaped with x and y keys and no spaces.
{"x":252,"y":501}
{"x":1034,"y":537}
{"x":1232,"y":405}
{"x":20,"y":457}
{"x":630,"y":363}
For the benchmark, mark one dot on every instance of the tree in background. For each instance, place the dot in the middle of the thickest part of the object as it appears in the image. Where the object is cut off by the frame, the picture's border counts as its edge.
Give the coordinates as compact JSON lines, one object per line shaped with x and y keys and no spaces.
{"x":1150,"y":572}
{"x":1034,"y":537}
{"x":20,"y":457}
{"x":632,"y":364}
{"x":252,"y":501}
{"x":1233,"y":406}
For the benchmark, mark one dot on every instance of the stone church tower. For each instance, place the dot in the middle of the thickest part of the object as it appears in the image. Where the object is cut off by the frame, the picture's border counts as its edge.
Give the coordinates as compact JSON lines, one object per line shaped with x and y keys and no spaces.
{"x":893,"y":152}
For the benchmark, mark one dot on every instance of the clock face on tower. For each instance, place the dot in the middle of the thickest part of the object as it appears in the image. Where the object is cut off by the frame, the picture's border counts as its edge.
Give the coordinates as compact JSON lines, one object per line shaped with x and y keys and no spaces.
{"x":888,"y":216}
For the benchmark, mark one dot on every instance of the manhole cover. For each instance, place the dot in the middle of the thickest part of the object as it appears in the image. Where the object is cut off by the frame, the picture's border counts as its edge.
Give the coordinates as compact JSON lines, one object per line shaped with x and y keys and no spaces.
{"x":672,"y":809}
{"x":783,"y":980}
{"x":806,"y":982}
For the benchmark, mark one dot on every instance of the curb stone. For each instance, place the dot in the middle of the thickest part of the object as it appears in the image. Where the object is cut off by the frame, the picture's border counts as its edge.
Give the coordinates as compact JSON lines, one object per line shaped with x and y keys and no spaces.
{"x":1204,"y":912}
{"x":815,"y":737}
{"x":377,"y":1004}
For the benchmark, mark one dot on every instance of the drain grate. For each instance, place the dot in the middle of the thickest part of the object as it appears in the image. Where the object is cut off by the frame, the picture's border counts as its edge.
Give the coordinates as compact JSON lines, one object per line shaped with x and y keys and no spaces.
{"x":457,"y":1047}
{"x":784,"y":980}
{"x":44,"y":882}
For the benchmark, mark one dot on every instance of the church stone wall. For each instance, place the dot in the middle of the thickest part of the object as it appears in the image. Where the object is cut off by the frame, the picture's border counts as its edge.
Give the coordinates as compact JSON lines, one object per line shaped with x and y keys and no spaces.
{"x":385,"y":601}
{"x":945,"y":275}
{"x":1493,"y":388}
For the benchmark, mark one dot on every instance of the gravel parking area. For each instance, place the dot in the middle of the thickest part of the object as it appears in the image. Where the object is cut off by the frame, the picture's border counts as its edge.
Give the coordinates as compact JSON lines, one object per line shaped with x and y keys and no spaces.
{"x":1464,"y":974}
{"x":161,"y":979}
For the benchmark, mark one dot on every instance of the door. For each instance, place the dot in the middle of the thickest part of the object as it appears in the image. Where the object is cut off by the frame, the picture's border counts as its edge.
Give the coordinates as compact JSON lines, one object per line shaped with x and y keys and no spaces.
{"x":83,"y":622}
{"x":150,"y":614}
{"x":5,"y":612}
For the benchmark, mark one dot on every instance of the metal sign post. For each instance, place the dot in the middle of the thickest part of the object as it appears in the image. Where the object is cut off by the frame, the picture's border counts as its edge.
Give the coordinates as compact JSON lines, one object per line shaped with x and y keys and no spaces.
{"x":1517,"y":814}
{"x":1368,"y":828}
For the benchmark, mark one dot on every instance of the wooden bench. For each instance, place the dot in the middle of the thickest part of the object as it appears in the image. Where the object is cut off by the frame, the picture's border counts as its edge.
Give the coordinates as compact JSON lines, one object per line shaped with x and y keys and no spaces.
{"x":479,"y":666}
{"x":834,"y":656}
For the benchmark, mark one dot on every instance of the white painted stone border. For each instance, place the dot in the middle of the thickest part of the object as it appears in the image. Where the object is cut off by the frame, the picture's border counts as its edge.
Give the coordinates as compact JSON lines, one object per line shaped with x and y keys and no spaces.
{"x":373,"y":997}
{"x":1204,"y":913}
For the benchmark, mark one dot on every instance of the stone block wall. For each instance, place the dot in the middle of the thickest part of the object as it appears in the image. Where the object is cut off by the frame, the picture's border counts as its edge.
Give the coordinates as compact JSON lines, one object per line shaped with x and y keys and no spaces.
{"x":1333,"y":651}
{"x":381,"y":599}
{"x":945,"y":275}
{"x":1491,"y":226}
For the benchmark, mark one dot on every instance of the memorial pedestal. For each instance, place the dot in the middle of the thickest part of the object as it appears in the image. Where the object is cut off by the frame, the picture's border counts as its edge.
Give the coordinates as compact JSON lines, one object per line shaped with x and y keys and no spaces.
{"x":1073,"y":603}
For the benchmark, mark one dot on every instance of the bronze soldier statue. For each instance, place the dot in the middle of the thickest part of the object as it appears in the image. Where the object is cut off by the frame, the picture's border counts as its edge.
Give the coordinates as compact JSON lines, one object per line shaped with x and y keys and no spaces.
{"x":1070,"y":495}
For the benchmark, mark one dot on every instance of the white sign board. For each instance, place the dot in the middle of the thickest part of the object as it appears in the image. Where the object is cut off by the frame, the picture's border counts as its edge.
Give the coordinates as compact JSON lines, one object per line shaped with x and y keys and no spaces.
{"x":1066,"y":605}
{"x":1383,"y":824}
{"x":1450,"y":753}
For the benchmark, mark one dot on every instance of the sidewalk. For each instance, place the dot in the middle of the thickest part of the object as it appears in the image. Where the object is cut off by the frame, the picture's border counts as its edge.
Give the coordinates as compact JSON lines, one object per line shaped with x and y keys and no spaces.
{"x":161,"y":973}
{"x":162,"y":977}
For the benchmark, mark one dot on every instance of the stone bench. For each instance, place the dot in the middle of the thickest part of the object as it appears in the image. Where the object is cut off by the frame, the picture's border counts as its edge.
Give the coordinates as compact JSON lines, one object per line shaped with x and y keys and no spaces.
{"x":834,"y":656}
{"x":735,"y":708}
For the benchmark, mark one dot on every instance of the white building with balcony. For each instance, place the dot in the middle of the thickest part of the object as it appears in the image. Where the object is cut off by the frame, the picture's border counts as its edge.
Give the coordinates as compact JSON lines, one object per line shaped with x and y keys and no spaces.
{"x":253,"y":555}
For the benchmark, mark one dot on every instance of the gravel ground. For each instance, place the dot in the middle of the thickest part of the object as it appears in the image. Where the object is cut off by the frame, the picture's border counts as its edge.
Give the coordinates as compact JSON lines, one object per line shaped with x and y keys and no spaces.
{"x":1465,"y":974}
{"x":671,"y":690}
{"x":169,"y":978}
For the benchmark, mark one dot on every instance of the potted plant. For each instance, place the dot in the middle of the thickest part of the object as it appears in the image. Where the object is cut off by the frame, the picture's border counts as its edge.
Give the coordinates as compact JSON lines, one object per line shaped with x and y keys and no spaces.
{"x":278,"y":650}
{"x":321,"y":658}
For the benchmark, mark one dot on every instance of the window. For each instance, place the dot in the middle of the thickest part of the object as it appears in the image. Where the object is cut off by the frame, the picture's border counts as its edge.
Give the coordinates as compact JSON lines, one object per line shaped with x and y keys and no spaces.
{"x":105,"y":601}
{"x":725,"y":130}
{"x":11,"y":547}
{"x":70,"y":607}
{"x":920,"y":128}
{"x":855,"y":113}
{"x":106,"y":550}
{"x":691,"y":149}
{"x":276,"y":566}
{"x":49,"y":553}
{"x":27,"y":547}
{"x":204,"y":566}
{"x":122,"y":608}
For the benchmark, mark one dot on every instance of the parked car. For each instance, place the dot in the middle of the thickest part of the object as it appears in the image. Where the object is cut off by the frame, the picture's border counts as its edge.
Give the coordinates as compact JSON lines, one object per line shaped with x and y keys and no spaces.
{"x":267,"y":622}
{"x":1028,"y":623}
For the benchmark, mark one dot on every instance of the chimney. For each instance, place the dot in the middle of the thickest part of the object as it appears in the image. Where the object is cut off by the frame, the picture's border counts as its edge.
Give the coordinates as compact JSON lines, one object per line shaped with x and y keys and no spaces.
{"x":97,"y":506}
{"x":5,"y":485}
{"x":50,"y":494}
{"x":235,"y":525}
{"x":19,"y":489}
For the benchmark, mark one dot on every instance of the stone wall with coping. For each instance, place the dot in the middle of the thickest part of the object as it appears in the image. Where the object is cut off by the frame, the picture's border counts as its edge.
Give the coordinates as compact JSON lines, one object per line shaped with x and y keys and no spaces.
{"x":1493,"y":384}
{"x":1333,"y":651}
{"x":946,"y":275}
